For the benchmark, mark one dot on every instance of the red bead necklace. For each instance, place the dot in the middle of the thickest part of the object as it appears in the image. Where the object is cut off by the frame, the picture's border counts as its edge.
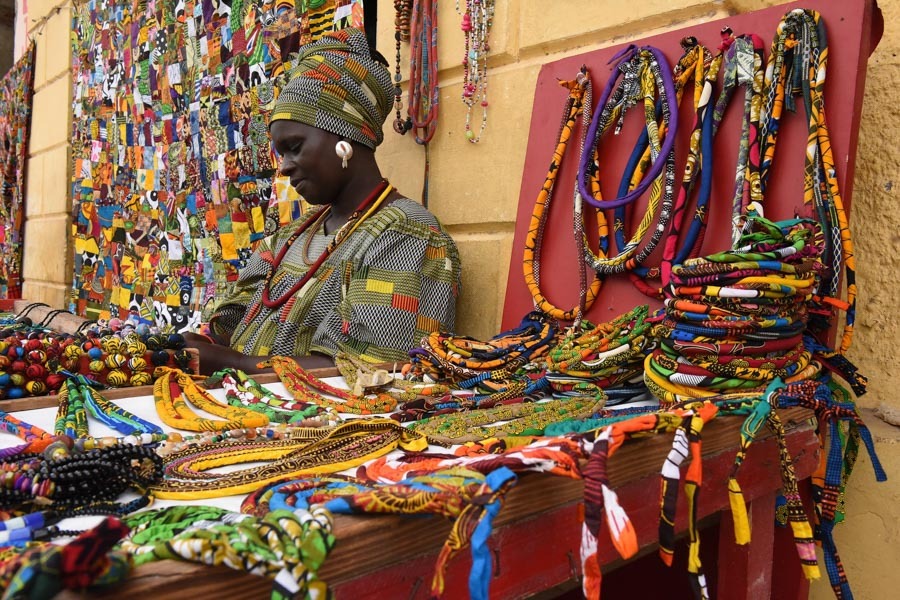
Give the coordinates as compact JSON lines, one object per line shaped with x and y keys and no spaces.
{"x":368,"y":206}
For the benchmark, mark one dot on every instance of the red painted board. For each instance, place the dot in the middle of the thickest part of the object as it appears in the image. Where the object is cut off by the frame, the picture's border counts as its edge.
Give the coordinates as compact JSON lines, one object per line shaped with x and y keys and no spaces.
{"x":853,"y":28}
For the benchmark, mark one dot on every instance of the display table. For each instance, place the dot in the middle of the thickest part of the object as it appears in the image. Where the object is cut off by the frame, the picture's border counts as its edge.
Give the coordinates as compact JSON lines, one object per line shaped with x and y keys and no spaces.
{"x":537,"y":534}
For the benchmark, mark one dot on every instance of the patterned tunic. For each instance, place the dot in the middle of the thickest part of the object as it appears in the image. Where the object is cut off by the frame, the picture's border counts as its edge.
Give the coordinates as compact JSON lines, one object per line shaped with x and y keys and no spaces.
{"x":389,"y":284}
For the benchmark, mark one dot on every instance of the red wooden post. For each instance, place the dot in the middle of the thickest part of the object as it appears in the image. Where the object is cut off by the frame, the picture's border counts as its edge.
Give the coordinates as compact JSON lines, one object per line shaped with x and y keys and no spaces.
{"x":745,"y":572}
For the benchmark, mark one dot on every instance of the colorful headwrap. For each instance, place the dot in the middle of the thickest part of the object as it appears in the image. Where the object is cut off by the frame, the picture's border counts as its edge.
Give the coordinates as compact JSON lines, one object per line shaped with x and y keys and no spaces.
{"x":337,"y":86}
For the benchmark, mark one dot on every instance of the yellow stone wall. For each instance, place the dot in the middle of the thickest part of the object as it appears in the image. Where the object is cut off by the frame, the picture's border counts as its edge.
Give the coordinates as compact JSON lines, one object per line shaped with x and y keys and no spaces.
{"x":48,"y":257}
{"x":474,"y":190}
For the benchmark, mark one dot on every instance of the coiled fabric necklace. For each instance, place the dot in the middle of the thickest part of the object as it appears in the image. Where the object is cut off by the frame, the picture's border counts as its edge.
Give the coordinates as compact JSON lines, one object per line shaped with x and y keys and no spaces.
{"x":645,"y":73}
{"x":578,"y":102}
{"x":798,"y":63}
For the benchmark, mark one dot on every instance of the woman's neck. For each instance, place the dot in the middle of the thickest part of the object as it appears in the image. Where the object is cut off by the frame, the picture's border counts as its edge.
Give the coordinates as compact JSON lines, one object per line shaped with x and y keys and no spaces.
{"x":354,"y":193}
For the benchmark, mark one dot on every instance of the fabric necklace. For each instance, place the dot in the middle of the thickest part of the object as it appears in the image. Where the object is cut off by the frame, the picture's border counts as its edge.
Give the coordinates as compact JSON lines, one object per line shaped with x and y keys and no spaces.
{"x":646,"y":73}
{"x":302,"y":385}
{"x":288,"y":547}
{"x":363,"y":211}
{"x":798,"y":63}
{"x":578,"y":102}
{"x":171,"y":392}
{"x":614,"y":106}
{"x":347,"y":445}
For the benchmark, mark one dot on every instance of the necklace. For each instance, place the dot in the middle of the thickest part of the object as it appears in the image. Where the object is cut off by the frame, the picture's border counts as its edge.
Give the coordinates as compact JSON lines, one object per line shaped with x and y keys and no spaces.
{"x":346,"y":446}
{"x":302,"y":384}
{"x":577,"y":102}
{"x":645,"y":73}
{"x":800,"y":54}
{"x":170,"y":394}
{"x":518,"y":419}
{"x":369,"y":205}
{"x":288,"y":547}
{"x":424,"y":95}
{"x":476,"y":25}
{"x":313,"y":231}
{"x":402,"y":10}
{"x":615,"y":103}
{"x":242,"y":390}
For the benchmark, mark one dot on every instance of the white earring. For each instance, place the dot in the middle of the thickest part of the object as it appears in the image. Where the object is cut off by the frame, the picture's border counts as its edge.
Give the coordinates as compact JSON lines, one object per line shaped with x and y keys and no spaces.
{"x":344,"y":151}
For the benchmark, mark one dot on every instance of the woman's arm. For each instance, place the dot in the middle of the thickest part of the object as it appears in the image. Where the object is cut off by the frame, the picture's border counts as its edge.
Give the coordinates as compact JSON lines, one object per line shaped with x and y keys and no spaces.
{"x":214,"y":357}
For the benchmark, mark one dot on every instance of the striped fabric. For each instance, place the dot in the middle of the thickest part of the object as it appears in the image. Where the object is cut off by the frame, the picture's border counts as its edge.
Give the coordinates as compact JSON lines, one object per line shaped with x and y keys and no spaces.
{"x":388,"y":285}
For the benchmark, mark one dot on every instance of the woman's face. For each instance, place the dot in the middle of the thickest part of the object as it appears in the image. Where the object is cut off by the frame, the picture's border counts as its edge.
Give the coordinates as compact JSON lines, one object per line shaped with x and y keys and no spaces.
{"x":309,"y":160}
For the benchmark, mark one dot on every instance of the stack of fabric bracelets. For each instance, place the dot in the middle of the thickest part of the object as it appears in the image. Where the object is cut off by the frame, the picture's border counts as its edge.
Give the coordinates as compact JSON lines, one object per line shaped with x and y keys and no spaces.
{"x":734,"y":320}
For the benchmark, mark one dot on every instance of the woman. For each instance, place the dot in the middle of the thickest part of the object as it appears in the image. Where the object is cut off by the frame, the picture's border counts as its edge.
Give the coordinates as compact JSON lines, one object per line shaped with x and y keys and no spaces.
{"x":367,"y":271}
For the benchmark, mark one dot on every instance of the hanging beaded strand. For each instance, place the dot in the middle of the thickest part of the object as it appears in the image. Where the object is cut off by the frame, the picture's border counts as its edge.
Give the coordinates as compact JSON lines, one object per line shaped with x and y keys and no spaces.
{"x":403,"y":9}
{"x":476,"y":24}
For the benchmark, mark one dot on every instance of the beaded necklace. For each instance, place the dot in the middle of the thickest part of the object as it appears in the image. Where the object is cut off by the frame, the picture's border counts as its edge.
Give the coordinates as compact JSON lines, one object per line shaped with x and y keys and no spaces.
{"x":242,"y":390}
{"x":799,"y":57}
{"x":172,"y":390}
{"x":302,"y":384}
{"x":577,"y":102}
{"x":344,"y":447}
{"x":77,"y":478}
{"x":645,"y":72}
{"x":402,"y":10}
{"x":476,"y":25}
{"x":366,"y":208}
{"x":288,"y":547}
{"x":518,"y":419}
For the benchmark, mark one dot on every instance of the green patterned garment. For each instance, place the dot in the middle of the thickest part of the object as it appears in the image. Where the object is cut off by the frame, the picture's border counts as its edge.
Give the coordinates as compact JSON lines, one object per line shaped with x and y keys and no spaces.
{"x":389,"y":284}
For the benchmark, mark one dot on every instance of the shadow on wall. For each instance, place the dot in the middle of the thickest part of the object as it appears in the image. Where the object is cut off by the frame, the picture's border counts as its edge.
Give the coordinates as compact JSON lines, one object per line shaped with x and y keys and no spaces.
{"x":7,"y":34}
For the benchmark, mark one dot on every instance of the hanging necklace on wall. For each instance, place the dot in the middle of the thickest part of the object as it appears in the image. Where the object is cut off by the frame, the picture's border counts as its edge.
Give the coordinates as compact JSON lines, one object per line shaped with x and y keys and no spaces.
{"x":799,"y":57}
{"x":476,"y":24}
{"x":578,"y":102}
{"x":645,"y":73}
{"x":402,"y":10}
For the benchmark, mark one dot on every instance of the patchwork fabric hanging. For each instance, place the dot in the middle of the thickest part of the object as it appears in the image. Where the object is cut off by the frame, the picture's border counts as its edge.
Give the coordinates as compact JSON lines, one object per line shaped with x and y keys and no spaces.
{"x":173,"y":179}
{"x":16,"y":90}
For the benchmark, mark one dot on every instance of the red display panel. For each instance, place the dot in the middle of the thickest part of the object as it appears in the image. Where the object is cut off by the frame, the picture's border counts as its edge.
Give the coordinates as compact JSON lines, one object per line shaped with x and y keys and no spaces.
{"x":853,"y":30}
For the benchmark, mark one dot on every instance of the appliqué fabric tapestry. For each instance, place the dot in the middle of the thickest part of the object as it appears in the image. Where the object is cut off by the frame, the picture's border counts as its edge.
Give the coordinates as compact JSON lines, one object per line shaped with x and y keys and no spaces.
{"x":16,"y":91}
{"x":173,"y":176}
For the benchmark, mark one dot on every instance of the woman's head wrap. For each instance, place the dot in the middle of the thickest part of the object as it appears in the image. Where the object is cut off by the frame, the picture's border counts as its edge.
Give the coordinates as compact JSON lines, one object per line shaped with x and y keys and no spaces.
{"x":337,"y":86}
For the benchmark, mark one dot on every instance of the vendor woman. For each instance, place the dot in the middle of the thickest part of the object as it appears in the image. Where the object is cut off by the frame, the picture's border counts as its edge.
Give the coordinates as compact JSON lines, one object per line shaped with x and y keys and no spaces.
{"x":366,"y":271}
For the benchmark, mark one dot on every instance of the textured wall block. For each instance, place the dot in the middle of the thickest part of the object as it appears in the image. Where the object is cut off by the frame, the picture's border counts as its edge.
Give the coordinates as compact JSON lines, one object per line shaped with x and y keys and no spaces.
{"x":57,"y":164}
{"x":540,"y":26}
{"x":485,"y":258}
{"x":34,"y":186}
{"x":52,"y":115}
{"x":47,"y":255}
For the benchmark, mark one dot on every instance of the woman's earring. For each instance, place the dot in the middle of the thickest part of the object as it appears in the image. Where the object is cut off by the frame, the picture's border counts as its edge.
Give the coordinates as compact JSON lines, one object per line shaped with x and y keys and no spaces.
{"x":344,"y":151}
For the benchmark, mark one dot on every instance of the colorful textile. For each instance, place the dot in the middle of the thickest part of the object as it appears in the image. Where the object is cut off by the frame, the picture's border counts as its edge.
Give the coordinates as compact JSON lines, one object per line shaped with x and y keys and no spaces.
{"x":389,"y":284}
{"x":288,"y":547}
{"x":337,"y":86}
{"x":16,"y":89}
{"x":173,"y":177}
{"x":43,"y":572}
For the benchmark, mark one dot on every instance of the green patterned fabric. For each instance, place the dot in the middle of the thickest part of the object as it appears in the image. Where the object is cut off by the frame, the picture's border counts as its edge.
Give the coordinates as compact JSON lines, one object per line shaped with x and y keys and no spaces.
{"x":389,"y":284}
{"x":337,"y":86}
